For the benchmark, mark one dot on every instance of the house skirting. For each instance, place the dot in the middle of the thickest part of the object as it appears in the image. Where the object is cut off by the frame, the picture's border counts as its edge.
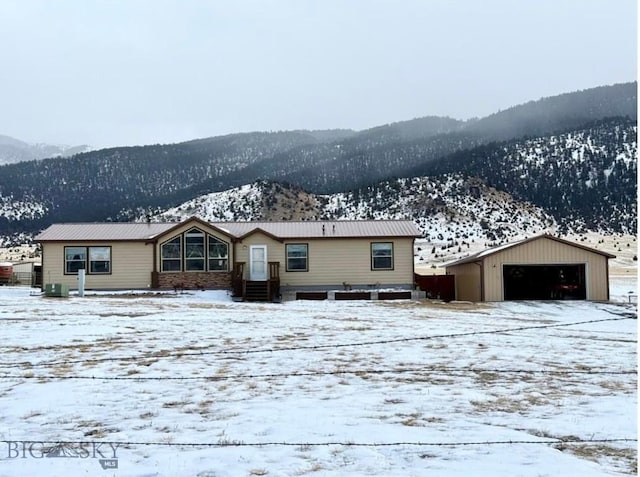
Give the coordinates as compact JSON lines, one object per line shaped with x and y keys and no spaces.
{"x":346,"y":287}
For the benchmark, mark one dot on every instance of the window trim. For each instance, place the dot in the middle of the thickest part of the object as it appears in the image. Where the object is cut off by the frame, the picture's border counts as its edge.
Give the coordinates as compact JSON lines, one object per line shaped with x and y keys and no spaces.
{"x":110,"y":261}
{"x":208,"y":239}
{"x":378,"y":269}
{"x":87,"y":260}
{"x":194,"y":231}
{"x":208,"y":257}
{"x":162,"y":259}
{"x":306,"y":258}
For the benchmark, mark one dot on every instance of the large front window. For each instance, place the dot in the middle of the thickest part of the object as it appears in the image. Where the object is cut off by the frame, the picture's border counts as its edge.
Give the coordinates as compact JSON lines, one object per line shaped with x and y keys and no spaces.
{"x":94,"y":260}
{"x":194,"y":251}
{"x":382,"y":256}
{"x":218,"y":254}
{"x":297,"y":255}
{"x":171,"y":253}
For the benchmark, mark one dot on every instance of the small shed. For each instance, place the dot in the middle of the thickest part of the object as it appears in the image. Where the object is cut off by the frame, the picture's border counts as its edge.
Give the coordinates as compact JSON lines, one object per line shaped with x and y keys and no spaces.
{"x":543,"y":267}
{"x":28,"y":273}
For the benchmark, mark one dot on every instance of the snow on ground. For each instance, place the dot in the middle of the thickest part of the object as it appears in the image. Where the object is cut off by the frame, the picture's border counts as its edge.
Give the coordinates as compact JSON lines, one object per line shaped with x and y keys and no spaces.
{"x":237,"y":359}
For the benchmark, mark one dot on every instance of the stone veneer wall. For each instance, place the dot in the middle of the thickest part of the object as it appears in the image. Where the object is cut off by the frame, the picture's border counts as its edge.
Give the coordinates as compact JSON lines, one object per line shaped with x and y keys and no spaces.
{"x":194,"y":280}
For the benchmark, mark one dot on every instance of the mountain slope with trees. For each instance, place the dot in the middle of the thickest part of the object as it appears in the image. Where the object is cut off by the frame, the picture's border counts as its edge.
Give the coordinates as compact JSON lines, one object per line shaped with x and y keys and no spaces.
{"x":587,"y":175}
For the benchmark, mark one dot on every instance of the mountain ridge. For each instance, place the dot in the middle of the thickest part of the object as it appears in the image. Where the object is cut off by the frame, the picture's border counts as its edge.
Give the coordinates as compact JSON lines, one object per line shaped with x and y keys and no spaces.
{"x":34,"y":194}
{"x":14,"y":150}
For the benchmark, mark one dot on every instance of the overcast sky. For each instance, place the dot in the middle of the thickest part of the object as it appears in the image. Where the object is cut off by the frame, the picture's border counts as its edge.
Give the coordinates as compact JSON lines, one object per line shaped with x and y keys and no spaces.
{"x":125,"y":72}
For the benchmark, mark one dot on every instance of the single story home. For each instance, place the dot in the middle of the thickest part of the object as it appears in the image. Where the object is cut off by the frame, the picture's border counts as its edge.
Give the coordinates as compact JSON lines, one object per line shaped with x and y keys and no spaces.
{"x":257,"y":260}
{"x":543,"y":267}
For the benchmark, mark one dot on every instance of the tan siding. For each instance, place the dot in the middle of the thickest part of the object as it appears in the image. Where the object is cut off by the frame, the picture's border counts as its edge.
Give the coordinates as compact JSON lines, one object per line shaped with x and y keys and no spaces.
{"x":467,"y":279}
{"x":275,"y":250}
{"x":334,"y":261}
{"x":131,"y":264}
{"x":545,"y":251}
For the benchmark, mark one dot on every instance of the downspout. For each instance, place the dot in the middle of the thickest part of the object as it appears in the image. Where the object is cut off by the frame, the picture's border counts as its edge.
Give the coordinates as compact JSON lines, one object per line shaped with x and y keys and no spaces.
{"x":482,"y":281}
{"x":155,"y":257}
{"x":607,"y":267}
{"x":235,"y":259}
{"x":155,"y":279}
{"x":481,"y":265}
{"x":42,"y":266}
{"x":413,"y":265}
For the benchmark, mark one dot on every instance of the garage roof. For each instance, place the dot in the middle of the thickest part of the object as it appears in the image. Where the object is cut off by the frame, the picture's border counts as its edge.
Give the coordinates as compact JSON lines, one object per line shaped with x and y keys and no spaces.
{"x":490,"y":251}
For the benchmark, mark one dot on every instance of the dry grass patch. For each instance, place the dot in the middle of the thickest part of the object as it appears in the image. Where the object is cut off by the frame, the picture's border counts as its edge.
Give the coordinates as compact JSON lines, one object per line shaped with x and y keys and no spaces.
{"x":208,"y":306}
{"x":174,"y":404}
{"x":619,"y":386}
{"x":394,"y":401}
{"x":415,"y":419}
{"x":509,"y":404}
{"x":314,"y":467}
{"x":96,"y":428}
{"x":624,"y":459}
{"x":62,"y":370}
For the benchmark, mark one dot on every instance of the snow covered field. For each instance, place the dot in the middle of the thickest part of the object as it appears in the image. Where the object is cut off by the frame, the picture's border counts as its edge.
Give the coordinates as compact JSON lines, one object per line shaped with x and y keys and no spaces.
{"x":334,"y":388}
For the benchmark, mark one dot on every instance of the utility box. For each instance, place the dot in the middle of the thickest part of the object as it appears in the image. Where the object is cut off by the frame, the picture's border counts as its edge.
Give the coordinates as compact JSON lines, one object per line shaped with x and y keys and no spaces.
{"x":56,"y":290}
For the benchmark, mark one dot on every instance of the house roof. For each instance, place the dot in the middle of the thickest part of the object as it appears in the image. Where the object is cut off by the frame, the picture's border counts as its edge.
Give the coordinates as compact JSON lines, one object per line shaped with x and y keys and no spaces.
{"x":326,"y":229}
{"x":116,"y":231}
{"x":476,"y":257}
{"x":110,"y":231}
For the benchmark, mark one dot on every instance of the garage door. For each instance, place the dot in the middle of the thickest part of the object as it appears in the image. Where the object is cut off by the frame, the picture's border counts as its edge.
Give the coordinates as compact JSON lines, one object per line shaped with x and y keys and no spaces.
{"x":544,"y":282}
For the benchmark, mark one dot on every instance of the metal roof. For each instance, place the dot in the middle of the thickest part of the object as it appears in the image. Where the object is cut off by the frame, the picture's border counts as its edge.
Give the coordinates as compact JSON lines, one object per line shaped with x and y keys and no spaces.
{"x":117,"y":231}
{"x":109,"y":231}
{"x":327,"y":229}
{"x":476,"y":257}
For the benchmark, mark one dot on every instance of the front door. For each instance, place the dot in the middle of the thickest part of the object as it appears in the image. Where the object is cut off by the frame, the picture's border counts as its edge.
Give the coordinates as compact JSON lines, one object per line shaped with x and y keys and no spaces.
{"x":258,"y":262}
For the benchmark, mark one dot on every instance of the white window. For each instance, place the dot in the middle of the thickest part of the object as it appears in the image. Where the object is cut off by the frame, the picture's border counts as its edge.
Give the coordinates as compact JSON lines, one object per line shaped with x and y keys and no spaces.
{"x":382,"y":256}
{"x":171,"y":255}
{"x":194,"y":251}
{"x":297,"y":257}
{"x":218,"y":254}
{"x":98,"y":258}
{"x":75,"y":258}
{"x":196,"y":255}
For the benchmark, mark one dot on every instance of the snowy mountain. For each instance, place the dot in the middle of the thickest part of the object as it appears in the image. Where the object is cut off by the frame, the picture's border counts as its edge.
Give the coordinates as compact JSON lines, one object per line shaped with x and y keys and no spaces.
{"x":583,"y":176}
{"x":448,"y":209}
{"x":13,"y":150}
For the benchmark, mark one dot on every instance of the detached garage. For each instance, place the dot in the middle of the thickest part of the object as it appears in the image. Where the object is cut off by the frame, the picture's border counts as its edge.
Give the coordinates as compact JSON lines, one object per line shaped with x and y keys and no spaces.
{"x":538,"y":268}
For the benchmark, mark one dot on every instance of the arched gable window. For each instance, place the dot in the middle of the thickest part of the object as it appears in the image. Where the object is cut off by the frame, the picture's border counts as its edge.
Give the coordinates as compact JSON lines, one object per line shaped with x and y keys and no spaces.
{"x":194,"y":251}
